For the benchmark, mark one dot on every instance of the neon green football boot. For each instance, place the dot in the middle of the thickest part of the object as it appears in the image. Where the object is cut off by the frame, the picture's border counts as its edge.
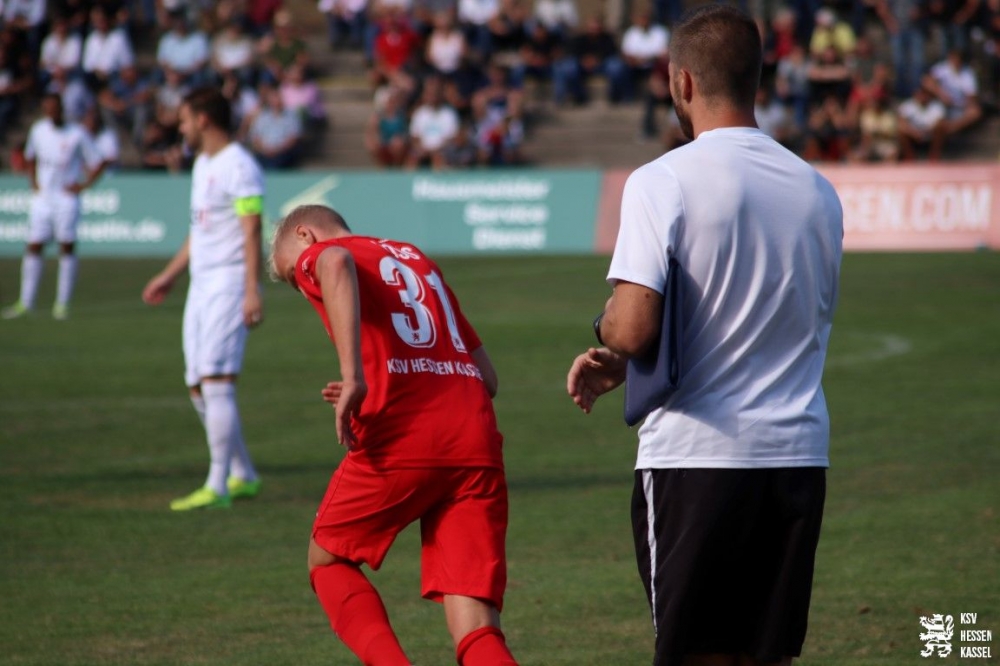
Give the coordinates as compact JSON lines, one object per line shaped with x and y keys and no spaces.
{"x":203,"y":498}
{"x":14,"y":311}
{"x":238,"y":488}
{"x":60,"y":312}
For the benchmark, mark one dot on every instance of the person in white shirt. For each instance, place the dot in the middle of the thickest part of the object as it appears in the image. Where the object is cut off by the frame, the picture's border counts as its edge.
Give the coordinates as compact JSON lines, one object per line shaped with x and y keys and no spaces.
{"x":27,"y":17}
{"x":445,"y":45}
{"x":223,"y":254}
{"x":62,"y":50}
{"x":559,"y":17}
{"x":432,"y":126}
{"x":922,"y":123}
{"x":104,"y":138}
{"x":730,"y":472}
{"x":62,"y":162}
{"x":106,"y":50}
{"x":954,"y":82}
{"x":183,"y":50}
{"x":233,"y":52}
{"x":642,"y":45}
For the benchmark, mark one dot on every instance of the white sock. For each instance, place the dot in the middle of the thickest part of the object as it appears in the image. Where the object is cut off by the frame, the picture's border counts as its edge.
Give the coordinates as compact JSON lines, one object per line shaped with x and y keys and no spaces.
{"x":198,"y":402}
{"x":67,"y":278}
{"x":222,"y":426}
{"x":31,"y":275}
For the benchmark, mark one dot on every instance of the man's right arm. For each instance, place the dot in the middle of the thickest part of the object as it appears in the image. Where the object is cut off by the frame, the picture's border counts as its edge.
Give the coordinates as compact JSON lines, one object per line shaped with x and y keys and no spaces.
{"x":338,"y":281}
{"x":161,"y":284}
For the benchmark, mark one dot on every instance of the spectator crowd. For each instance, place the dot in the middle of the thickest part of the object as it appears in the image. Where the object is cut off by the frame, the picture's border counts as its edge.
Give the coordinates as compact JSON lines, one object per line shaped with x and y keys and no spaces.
{"x":453,"y":81}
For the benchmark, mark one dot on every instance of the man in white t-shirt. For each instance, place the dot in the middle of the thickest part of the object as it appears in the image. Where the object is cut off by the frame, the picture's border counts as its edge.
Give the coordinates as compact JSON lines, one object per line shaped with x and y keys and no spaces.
{"x":62,"y":162}
{"x":183,"y":50}
{"x":433,"y":126}
{"x":954,"y":82}
{"x":223,"y":255}
{"x":642,"y":45}
{"x":730,"y":474}
{"x":921,"y":123}
{"x":106,"y":50}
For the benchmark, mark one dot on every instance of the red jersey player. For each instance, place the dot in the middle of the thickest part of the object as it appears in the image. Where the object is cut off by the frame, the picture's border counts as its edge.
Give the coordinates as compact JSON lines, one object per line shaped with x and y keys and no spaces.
{"x":414,"y":408}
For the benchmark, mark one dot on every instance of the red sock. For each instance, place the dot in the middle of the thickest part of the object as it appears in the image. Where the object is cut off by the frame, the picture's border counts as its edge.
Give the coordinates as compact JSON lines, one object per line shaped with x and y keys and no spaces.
{"x":357,"y":615}
{"x":484,"y":647}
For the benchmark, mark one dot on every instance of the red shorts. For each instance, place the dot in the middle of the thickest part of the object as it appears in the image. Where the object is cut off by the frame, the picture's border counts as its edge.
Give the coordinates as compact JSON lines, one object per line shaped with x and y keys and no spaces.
{"x":463,"y":523}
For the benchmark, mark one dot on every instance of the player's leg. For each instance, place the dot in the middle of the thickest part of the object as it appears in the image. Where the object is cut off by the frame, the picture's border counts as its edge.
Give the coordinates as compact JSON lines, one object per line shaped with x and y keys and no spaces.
{"x":363,"y":511}
{"x":39,"y":232}
{"x":67,"y":217}
{"x":355,"y":609}
{"x":464,"y":562}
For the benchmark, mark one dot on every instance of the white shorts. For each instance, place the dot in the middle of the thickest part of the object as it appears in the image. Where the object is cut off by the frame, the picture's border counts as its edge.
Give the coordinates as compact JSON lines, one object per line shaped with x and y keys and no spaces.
{"x":53,"y":215}
{"x":214,"y":332}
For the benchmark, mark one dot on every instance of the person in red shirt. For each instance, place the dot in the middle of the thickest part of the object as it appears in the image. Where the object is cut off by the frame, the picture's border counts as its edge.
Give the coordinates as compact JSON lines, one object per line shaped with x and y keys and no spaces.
{"x":414,"y":408}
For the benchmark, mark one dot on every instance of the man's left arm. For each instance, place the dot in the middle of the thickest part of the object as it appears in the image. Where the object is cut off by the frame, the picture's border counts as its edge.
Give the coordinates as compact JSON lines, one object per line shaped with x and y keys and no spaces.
{"x":253,"y":305}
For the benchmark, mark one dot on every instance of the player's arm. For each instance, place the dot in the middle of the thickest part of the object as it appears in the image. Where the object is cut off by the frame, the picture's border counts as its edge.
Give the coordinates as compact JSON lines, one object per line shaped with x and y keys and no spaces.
{"x":250,"y":209}
{"x":31,"y":165}
{"x":486,"y":369}
{"x":631,"y":320}
{"x":338,"y":281}
{"x":161,"y":284}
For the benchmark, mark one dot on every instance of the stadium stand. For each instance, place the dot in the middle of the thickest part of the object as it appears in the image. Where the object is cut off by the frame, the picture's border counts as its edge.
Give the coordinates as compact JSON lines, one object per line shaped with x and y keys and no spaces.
{"x":837,"y":75}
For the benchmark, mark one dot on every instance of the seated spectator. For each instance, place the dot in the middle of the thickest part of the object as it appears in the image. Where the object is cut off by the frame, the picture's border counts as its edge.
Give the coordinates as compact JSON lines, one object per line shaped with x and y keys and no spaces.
{"x":642,"y":45}
{"x":104,"y":138}
{"x":387,"y":133}
{"x":590,"y":53}
{"x":260,"y":16}
{"x":243,"y":102}
{"x":445,"y":48}
{"x":433,"y":125}
{"x":537,"y":57}
{"x":275,"y":132}
{"x":497,"y":98}
{"x":183,"y":50}
{"x":877,"y":86}
{"x":559,"y":17}
{"x":161,"y":149}
{"x":106,"y":50}
{"x":233,"y":52}
{"x":282,"y":49}
{"x":657,"y":94}
{"x":953,"y":82}
{"x":772,"y":116}
{"x":346,"y":22}
{"x":126,"y":101}
{"x":779,"y":40}
{"x":62,"y":49}
{"x":76,"y":97}
{"x":461,"y":152}
{"x":828,"y":130}
{"x":921,"y":124}
{"x":167,"y":101}
{"x":499,"y":140}
{"x":879,"y":131}
{"x":953,"y":19}
{"x":509,"y":28}
{"x":828,"y":75}
{"x":792,"y":85}
{"x":27,"y":18}
{"x":832,"y":32}
{"x":12,"y":85}
{"x":475,"y":17}
{"x":301,"y":95}
{"x":395,"y":46}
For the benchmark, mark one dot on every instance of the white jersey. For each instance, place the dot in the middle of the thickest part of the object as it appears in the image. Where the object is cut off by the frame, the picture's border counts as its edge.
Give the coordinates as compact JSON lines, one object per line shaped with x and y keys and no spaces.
{"x":63,"y":155}
{"x":217,"y":238}
{"x":758,"y":233}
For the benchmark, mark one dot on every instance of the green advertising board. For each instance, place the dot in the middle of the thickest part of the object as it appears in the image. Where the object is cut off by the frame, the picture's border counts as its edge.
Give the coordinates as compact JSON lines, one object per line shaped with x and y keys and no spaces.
{"x":504,"y":211}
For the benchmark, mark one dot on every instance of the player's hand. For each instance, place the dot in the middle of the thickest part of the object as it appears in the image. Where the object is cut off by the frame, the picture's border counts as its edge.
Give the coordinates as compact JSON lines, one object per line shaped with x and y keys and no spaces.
{"x":347,"y":397}
{"x":253,"y":309}
{"x":157,"y":289}
{"x":594,"y":373}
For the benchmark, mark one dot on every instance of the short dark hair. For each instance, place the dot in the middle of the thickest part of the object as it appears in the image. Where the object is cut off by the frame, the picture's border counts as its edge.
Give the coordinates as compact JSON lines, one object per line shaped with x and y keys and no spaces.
{"x":720,"y":45}
{"x":213,"y":104}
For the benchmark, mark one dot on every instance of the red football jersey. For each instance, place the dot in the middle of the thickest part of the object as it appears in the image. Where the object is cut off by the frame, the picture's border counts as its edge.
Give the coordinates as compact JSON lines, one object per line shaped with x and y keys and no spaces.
{"x":427,"y":405}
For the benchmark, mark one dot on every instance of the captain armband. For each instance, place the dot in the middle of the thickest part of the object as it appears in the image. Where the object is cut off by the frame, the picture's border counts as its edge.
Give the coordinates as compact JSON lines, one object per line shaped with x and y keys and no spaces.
{"x":249,"y":205}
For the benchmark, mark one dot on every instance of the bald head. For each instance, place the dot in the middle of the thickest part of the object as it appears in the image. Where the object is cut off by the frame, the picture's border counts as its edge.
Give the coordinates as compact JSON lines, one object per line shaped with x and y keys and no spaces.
{"x":298,"y":230}
{"x":720,"y":46}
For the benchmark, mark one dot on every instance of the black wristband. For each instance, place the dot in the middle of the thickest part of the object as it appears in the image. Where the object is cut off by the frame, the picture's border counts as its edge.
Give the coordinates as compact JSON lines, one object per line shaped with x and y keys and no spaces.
{"x":597,"y":328}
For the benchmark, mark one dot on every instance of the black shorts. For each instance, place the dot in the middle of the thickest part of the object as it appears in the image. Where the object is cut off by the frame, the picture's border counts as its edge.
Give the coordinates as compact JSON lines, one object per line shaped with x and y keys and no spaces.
{"x":726,"y":557}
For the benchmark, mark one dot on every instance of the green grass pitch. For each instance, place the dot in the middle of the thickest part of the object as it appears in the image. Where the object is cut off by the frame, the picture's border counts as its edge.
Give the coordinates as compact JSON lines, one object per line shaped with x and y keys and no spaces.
{"x":97,"y":435}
